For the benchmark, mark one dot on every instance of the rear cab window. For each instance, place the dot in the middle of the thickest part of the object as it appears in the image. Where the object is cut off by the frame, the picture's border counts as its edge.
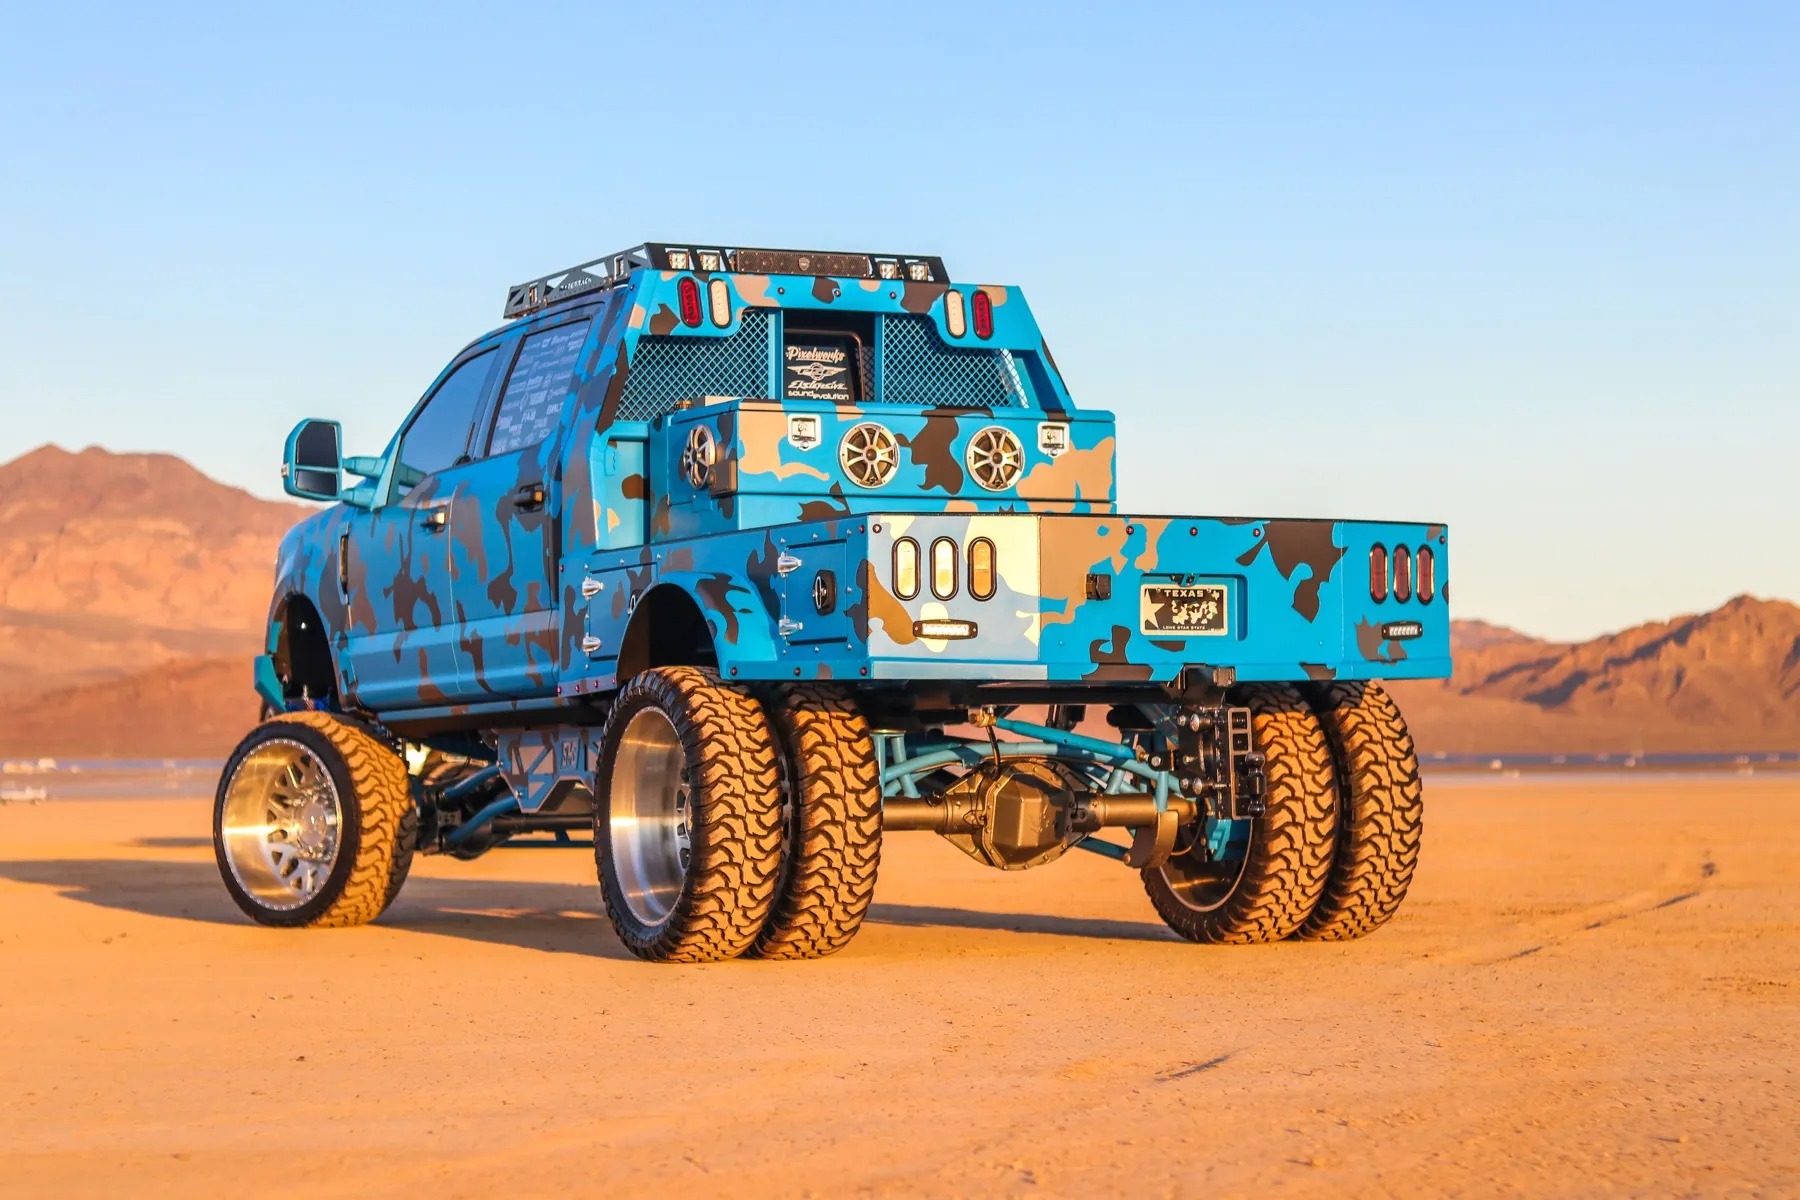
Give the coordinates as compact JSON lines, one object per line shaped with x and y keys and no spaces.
{"x":536,"y":391}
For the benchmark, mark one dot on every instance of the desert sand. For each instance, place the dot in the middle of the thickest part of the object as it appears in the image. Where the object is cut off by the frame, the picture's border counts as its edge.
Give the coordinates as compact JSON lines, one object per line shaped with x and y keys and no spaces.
{"x":1593,"y":989}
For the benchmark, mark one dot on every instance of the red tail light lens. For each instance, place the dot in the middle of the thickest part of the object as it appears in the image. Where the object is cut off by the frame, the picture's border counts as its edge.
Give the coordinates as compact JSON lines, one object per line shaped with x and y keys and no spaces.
{"x":984,"y":315}
{"x":1378,"y":573}
{"x":1402,"y":574}
{"x":688,"y":295}
{"x":1427,"y":569}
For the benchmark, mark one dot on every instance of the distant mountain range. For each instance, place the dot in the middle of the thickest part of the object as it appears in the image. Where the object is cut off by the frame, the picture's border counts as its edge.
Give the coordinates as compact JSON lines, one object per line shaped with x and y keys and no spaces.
{"x":133,"y":591}
{"x":1726,"y":680}
{"x":111,"y":564}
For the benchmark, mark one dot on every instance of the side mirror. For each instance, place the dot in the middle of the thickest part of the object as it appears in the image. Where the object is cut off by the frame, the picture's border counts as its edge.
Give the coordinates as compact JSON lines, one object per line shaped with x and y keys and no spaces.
{"x":312,"y":465}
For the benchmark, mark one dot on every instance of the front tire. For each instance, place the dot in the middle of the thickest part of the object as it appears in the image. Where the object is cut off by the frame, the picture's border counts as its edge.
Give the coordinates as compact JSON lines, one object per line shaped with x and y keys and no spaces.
{"x":1383,"y":817}
{"x":834,"y":825}
{"x":688,"y":830}
{"x":307,"y":822}
{"x":1252,"y":881}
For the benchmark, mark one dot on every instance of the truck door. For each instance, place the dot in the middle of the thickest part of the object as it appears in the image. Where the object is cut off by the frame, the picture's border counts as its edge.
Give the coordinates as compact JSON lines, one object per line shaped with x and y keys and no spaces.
{"x":506,"y":519}
{"x":401,"y":648}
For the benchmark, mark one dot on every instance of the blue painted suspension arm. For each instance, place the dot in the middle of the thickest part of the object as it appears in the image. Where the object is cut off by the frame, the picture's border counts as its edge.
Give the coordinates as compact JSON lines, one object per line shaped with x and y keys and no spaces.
{"x":896,"y":777}
{"x":1115,"y":751}
{"x":481,"y":820}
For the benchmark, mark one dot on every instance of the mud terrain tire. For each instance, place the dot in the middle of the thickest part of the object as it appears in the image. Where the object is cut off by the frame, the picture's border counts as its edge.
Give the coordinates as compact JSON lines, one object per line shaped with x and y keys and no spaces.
{"x":687,"y":830}
{"x":406,"y":844}
{"x":1382,"y":815}
{"x":833,"y":824}
{"x":373,"y":800}
{"x":1289,"y":850}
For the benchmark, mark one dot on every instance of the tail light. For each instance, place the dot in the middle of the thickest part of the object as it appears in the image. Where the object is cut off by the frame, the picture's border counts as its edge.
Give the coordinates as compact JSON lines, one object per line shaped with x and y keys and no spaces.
{"x":956,"y":318}
{"x":943,"y":568}
{"x":1378,"y":573}
{"x":981,"y":569}
{"x":1427,"y":569}
{"x":906,"y":568}
{"x":718,"y":297}
{"x":1402,"y":574}
{"x":687,"y":293}
{"x":984,"y":315}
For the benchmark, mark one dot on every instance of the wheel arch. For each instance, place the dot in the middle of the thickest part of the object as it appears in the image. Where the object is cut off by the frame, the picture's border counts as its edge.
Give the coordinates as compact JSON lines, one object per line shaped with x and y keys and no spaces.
{"x":695,"y":619}
{"x":300,"y":644}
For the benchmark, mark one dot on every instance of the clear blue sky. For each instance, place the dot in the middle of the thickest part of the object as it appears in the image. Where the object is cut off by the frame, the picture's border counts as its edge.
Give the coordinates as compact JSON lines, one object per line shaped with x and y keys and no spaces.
{"x":1533,"y":269}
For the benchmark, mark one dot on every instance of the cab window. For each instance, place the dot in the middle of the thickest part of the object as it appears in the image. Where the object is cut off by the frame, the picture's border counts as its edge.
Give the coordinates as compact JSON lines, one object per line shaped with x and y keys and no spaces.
{"x":532,"y":404}
{"x":439,"y":436}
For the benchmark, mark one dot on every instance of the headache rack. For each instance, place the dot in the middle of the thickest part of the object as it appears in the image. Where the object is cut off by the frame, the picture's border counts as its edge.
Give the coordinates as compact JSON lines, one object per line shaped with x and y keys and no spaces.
{"x":610,"y":270}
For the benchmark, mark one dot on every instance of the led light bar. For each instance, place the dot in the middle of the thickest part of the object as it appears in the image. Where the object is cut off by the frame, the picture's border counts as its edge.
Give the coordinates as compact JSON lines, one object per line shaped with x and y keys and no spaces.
{"x":943,"y":629}
{"x":611,"y":270}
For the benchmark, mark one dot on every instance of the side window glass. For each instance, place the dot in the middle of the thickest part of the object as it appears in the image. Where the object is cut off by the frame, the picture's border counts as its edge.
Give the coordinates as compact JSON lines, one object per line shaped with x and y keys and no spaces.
{"x":439,"y":435}
{"x":532,"y":403}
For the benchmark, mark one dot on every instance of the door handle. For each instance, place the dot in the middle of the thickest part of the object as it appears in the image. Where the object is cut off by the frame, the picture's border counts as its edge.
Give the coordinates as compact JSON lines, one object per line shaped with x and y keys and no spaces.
{"x":435,"y":519}
{"x":529,"y":498}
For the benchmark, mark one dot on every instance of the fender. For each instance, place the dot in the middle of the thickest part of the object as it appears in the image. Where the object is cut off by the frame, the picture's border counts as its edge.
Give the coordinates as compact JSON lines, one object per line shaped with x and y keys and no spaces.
{"x":741,"y":627}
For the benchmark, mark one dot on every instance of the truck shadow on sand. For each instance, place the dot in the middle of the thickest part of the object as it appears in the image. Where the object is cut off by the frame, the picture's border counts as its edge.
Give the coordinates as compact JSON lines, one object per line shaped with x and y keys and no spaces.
{"x":556,"y":918}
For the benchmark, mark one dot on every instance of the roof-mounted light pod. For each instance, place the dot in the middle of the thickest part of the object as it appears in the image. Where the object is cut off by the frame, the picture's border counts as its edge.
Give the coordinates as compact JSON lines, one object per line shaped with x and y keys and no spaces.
{"x":956,"y":318}
{"x":984,"y":315}
{"x":718,"y":296}
{"x":687,"y":294}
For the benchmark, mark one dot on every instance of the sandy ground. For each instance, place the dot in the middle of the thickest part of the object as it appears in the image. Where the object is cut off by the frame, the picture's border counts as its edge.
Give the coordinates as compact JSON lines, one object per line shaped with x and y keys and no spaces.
{"x":1592,"y":989}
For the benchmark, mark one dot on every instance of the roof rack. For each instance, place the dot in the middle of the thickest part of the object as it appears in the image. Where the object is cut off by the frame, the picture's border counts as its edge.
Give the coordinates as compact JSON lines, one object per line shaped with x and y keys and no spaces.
{"x":610,"y":270}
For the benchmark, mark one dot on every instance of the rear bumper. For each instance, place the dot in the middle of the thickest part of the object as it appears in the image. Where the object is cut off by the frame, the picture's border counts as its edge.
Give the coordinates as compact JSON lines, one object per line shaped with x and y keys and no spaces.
{"x":1077,"y":599}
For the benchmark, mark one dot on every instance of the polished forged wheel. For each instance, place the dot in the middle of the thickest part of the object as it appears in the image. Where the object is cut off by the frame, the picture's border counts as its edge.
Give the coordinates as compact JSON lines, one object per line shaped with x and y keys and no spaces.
{"x":1258,"y":880}
{"x":688,"y":829}
{"x":309,"y":822}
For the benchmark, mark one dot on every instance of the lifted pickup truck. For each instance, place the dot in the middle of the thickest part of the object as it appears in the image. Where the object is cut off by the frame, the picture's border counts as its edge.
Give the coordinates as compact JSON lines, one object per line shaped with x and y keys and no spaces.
{"x":740,"y":559}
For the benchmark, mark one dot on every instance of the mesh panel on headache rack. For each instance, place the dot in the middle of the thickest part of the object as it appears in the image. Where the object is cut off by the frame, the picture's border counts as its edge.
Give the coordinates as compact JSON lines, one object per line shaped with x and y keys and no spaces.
{"x":918,"y":368}
{"x":667,"y":369}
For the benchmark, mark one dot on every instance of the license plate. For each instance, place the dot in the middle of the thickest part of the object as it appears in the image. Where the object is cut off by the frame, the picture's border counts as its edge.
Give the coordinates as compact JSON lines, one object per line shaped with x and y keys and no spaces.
{"x":1198,"y":611}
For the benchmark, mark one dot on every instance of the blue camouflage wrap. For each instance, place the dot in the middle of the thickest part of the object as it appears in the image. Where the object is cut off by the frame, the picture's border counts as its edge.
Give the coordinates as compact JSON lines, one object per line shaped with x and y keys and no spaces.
{"x":679,"y":472}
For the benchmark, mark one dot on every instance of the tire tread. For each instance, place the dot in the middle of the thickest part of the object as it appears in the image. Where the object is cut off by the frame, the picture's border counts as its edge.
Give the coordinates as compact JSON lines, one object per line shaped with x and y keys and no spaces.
{"x":1383,"y":821}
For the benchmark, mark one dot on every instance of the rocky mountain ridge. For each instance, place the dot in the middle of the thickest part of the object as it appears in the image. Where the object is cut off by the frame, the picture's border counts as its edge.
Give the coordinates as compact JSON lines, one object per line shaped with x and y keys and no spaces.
{"x":114,"y":563}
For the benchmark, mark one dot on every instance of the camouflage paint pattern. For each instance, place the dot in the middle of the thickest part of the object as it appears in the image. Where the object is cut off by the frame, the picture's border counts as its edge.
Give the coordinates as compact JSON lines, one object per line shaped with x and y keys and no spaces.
{"x":455,"y":599}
